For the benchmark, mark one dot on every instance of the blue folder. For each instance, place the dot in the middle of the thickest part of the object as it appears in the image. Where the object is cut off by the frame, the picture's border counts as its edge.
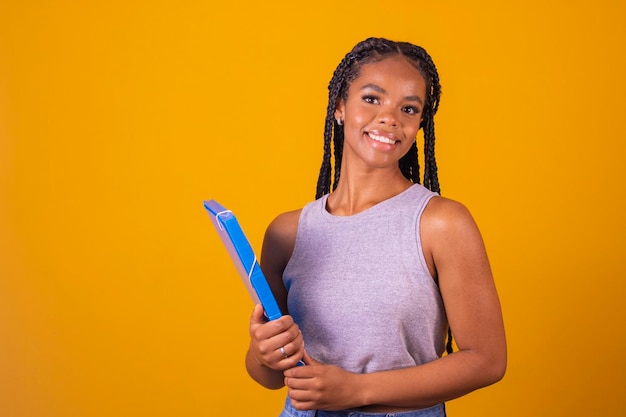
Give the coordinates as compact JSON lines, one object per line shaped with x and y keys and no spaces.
{"x":243,"y":257}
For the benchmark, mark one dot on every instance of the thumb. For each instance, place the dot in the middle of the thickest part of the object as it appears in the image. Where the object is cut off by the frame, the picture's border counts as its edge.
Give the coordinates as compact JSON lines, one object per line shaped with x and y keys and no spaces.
{"x":258,"y":317}
{"x":308,"y":359}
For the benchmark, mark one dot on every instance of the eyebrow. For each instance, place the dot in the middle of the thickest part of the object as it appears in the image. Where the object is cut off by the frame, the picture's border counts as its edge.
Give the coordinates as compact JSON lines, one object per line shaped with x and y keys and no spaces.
{"x":383,"y":91}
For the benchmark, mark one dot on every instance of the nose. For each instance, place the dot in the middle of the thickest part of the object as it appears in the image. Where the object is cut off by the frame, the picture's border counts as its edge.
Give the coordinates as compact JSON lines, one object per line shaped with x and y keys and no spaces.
{"x":387,"y":116}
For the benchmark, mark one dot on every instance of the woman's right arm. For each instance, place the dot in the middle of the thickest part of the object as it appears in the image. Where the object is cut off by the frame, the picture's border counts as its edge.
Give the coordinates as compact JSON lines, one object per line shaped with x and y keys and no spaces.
{"x":265,"y":361}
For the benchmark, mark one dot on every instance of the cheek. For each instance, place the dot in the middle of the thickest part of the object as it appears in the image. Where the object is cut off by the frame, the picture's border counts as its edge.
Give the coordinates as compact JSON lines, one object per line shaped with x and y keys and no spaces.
{"x":411,"y":132}
{"x":361,"y":116}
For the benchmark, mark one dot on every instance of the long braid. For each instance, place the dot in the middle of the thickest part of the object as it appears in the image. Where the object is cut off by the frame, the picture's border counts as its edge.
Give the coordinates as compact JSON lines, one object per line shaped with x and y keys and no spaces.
{"x":323,"y":181}
{"x":409,"y":165}
{"x":431,"y":180}
{"x":368,"y":51}
{"x":332,"y":131}
{"x":338,"y":153}
{"x":427,"y":68}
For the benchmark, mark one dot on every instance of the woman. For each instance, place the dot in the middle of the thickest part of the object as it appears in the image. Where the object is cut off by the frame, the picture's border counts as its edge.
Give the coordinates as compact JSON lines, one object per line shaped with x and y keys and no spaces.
{"x":373,"y":275}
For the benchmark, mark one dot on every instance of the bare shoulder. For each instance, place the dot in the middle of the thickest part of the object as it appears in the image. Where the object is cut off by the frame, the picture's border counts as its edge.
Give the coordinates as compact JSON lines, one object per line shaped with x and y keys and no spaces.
{"x":281,"y":232}
{"x":449,"y":235}
{"x":279,"y":240}
{"x":288,"y":219}
{"x":444,"y":216}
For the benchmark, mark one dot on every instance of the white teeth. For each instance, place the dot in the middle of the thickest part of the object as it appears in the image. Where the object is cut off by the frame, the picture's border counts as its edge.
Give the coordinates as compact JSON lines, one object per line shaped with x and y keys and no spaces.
{"x":381,"y":139}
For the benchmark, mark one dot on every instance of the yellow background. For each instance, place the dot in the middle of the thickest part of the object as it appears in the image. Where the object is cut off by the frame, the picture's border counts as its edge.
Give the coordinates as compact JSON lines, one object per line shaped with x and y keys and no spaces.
{"x":118,"y":118}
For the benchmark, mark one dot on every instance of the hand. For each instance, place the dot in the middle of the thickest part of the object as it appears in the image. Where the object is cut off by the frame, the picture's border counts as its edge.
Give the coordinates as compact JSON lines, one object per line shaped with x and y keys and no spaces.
{"x":321,"y":387}
{"x":276,"y":344}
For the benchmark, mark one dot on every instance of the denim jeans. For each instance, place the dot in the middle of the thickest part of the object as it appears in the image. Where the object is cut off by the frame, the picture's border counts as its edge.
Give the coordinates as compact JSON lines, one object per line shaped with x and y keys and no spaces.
{"x":438,"y":410}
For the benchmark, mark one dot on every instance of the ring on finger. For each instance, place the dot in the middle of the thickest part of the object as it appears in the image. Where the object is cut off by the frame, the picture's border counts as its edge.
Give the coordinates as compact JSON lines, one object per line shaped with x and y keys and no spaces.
{"x":282,"y":350}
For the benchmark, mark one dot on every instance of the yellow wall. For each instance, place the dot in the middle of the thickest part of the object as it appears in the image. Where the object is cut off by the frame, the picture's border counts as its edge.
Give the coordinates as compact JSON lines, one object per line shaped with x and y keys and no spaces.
{"x":118,"y":118}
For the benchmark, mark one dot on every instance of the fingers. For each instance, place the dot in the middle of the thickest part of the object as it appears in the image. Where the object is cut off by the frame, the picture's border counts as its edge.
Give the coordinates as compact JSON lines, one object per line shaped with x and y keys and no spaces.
{"x":308,"y":359}
{"x":291,"y":352}
{"x":277,"y":344}
{"x":262,"y":329}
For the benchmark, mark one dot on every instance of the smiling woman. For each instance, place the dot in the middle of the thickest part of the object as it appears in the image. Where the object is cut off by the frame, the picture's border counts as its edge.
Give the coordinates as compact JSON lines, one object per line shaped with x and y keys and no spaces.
{"x":375,"y":274}
{"x":382,"y":113}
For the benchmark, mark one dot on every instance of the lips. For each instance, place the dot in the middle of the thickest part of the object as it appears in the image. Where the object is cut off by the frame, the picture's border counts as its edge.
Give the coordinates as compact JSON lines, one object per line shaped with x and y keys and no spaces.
{"x":382,"y":138}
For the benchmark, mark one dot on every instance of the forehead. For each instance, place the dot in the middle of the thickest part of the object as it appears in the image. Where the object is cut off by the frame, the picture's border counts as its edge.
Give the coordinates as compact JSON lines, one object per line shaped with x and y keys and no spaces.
{"x":393,"y":74}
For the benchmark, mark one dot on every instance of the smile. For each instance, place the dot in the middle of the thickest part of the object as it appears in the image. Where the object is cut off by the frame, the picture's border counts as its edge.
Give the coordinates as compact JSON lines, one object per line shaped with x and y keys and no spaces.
{"x":381,"y":139}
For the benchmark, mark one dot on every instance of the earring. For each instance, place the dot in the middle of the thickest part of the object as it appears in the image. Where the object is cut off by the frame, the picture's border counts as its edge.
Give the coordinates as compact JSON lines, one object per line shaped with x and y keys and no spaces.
{"x":339,"y":121}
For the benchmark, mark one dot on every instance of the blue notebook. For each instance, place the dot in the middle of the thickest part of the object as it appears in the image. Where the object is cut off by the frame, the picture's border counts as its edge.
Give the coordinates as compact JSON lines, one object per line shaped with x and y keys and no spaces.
{"x":243,"y":257}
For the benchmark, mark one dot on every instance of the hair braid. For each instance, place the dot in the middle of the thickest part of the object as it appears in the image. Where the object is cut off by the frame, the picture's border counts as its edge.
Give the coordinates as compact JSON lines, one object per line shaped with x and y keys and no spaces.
{"x":431,"y":180}
{"x":427,"y":68}
{"x":409,"y":165}
{"x":323,"y":181}
{"x":338,"y":154}
{"x":332,"y":131}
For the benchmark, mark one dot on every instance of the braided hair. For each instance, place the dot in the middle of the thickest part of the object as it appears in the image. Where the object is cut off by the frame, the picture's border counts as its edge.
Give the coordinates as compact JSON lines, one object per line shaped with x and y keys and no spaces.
{"x":369,"y":51}
{"x":366,"y":52}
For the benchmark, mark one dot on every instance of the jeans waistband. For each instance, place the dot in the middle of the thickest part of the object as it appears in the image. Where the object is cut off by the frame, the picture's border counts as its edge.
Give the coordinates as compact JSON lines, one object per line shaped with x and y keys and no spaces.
{"x":438,"y":410}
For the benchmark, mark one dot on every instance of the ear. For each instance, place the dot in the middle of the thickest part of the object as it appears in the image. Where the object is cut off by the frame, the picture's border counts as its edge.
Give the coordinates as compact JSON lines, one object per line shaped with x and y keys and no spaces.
{"x":340,"y":111}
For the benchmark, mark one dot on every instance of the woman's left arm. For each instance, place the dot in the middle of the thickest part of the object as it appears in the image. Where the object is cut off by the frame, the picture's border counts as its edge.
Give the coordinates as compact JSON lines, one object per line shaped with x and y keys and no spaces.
{"x":456,"y":255}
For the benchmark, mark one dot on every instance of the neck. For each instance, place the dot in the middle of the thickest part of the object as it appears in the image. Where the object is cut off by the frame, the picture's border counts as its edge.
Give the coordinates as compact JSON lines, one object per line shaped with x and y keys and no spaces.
{"x":357,"y":192}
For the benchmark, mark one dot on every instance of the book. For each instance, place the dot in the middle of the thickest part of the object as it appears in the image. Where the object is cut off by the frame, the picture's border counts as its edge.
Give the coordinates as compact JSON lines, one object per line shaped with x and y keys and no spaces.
{"x":243,"y":256}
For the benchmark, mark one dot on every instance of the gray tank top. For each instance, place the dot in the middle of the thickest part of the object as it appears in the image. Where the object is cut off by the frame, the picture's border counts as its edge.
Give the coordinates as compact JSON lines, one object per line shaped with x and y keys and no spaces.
{"x":359,"y":287}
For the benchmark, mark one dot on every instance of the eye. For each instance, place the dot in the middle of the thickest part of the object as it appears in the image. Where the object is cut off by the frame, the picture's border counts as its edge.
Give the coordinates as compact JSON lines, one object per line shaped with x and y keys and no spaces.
{"x":411,"y":109}
{"x":370,"y":99}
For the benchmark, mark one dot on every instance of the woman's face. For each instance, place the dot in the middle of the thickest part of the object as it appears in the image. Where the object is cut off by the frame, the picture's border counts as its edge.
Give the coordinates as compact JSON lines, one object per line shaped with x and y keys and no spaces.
{"x":382,"y":113}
